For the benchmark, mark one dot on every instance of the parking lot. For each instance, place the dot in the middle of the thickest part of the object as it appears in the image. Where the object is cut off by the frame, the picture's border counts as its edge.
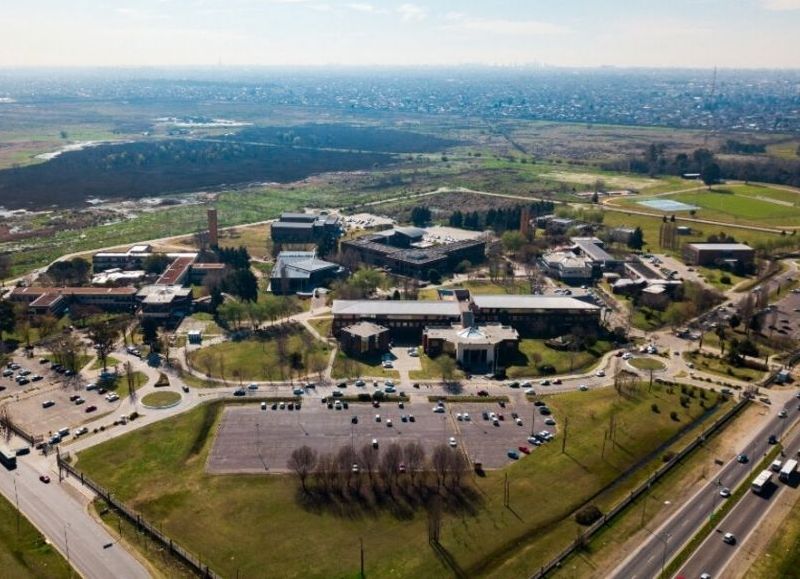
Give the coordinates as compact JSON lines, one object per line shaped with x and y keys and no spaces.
{"x":253,"y":440}
{"x":27,"y":409}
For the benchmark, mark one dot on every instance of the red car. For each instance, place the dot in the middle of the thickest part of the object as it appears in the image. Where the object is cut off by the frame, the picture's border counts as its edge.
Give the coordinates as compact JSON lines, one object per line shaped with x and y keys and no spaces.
{"x":44,"y":478}
{"x":524,"y":449}
{"x":501,"y":417}
{"x":91,"y":408}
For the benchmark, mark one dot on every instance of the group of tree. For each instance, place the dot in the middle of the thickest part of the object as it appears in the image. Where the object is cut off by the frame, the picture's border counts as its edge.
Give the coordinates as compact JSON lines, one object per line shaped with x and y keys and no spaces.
{"x":234,"y":257}
{"x":657,"y":161}
{"x":361,"y":285}
{"x":420,"y":216}
{"x":500,"y":219}
{"x":234,"y":314}
{"x":352,"y":472}
{"x":636,"y":240}
{"x":691,"y":300}
{"x":70,"y":272}
{"x":736,"y":147}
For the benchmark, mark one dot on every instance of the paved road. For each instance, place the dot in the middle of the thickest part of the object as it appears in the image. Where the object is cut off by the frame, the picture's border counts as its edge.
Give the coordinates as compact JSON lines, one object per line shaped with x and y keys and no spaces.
{"x":713,"y":555}
{"x":66,"y":524}
{"x":668,"y":540}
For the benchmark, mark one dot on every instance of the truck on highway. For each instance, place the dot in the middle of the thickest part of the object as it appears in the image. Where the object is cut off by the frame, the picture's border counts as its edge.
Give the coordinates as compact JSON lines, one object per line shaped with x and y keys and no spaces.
{"x":8,"y":457}
{"x":787,"y":470}
{"x":761,"y":481}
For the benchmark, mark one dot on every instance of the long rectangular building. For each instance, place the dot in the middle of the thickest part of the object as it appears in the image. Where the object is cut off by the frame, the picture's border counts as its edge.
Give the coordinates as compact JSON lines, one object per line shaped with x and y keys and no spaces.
{"x":54,"y":300}
{"x":401,"y":317}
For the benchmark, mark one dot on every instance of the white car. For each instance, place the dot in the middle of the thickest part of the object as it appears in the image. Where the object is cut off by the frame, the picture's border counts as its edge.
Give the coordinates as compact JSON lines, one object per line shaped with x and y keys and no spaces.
{"x":438,"y":409}
{"x":459,"y":417}
{"x":600,"y":374}
{"x":530,"y":392}
{"x":725,"y":492}
{"x":518,"y":421}
{"x":389,"y":422}
{"x":583,"y":387}
{"x":377,"y":418}
{"x":466,"y":417}
{"x":627,"y":356}
{"x":112,"y":397}
{"x":452,"y":441}
{"x":374,"y":443}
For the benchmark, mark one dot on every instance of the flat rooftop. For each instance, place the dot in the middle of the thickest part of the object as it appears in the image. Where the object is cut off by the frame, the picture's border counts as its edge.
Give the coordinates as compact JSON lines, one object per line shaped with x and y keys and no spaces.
{"x":395,"y":308}
{"x":721,"y":246}
{"x":531,"y":302}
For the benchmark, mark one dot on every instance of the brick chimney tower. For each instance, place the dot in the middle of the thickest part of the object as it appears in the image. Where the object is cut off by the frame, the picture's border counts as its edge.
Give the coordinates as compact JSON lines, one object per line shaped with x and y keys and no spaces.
{"x":213,"y":233}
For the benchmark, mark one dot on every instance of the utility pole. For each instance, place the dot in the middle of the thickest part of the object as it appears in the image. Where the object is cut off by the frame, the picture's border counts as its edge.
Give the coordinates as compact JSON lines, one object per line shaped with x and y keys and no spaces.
{"x":16,"y":499}
{"x":564,"y":440}
{"x":603,"y":451}
{"x":361,"y":540}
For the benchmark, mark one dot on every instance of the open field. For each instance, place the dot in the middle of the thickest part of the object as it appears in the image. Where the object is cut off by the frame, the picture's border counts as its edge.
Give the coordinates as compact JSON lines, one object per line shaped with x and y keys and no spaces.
{"x":139,"y":468}
{"x":737,"y":203}
{"x":255,"y":239}
{"x":720,"y":279}
{"x":26,"y":554}
{"x":533,"y":353}
{"x":323,"y":325}
{"x":781,"y":557}
{"x":274,"y":358}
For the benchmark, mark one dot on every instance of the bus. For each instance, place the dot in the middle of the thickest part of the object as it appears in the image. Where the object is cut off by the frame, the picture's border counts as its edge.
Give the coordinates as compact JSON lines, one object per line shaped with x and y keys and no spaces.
{"x":761,"y":481}
{"x":787,"y":470}
{"x":8,"y":458}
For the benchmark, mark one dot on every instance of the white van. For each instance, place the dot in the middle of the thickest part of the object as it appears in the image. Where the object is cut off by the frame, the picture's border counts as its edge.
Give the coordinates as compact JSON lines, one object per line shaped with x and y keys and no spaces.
{"x":776,"y":465}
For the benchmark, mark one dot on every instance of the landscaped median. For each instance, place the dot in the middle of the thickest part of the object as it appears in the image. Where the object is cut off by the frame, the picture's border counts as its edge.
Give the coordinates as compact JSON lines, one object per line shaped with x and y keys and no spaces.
{"x":156,"y":400}
{"x":717,"y":516}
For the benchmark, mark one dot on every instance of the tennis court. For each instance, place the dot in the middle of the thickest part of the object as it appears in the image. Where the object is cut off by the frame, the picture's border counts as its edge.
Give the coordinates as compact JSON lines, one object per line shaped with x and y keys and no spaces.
{"x":667,"y":205}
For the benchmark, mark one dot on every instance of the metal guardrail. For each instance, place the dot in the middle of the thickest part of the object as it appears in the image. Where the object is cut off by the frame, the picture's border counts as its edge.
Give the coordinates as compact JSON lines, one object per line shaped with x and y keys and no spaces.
{"x":593,"y":529}
{"x":192,"y":561}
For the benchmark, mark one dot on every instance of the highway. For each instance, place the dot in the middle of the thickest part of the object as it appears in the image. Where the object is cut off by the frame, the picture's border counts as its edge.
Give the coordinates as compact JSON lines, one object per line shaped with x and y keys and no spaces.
{"x":667,"y":541}
{"x":63,"y":520}
{"x":714,"y":555}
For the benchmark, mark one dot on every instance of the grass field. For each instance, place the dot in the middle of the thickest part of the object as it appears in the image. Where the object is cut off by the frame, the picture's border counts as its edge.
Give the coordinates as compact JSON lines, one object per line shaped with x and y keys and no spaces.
{"x":706,"y":363}
{"x":718,"y":277}
{"x":491,"y":541}
{"x":161,"y":399}
{"x":345,"y":366}
{"x":647,"y":364}
{"x":256,"y":359}
{"x":534,"y":353}
{"x":737,"y":203}
{"x":111,"y":361}
{"x":430,"y":369}
{"x":781,"y":558}
{"x":322,"y":325}
{"x":26,"y":555}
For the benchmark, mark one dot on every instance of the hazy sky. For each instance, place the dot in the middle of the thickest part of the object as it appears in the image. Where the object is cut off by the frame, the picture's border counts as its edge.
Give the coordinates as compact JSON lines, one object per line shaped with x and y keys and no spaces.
{"x":726,"y":33}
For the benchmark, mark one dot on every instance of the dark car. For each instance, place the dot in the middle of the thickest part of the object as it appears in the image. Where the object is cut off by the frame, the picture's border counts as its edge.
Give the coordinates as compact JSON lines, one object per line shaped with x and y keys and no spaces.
{"x":44,"y":478}
{"x":539,"y":403}
{"x":544,"y":411}
{"x":354,"y":420}
{"x":483,"y":393}
{"x":772,"y":439}
{"x":742,"y":458}
{"x":239,"y":392}
{"x":91,"y":408}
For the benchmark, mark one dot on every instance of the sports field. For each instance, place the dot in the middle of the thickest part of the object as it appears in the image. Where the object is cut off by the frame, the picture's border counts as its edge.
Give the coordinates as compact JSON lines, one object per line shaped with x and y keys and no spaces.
{"x":745,"y":204}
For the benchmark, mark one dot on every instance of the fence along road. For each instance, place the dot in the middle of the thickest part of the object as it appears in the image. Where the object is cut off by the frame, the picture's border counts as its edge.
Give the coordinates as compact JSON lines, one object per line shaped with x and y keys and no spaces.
{"x":67,"y":525}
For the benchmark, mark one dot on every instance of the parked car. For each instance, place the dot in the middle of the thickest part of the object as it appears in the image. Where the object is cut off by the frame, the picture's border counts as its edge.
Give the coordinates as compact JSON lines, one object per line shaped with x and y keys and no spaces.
{"x":513,"y":454}
{"x":452,"y":441}
{"x":48,"y":404}
{"x":524,"y":449}
{"x":91,"y":408}
{"x":44,"y":478}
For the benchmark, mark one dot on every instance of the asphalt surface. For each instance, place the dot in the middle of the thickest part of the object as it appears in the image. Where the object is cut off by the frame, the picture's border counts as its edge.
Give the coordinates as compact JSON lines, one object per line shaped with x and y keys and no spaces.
{"x":714,"y":555}
{"x":668,"y":540}
{"x":65,"y":523}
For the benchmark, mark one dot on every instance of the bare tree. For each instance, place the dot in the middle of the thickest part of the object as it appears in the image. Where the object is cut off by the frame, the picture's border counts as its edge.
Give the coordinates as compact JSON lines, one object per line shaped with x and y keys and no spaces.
{"x":368,"y":457}
{"x":414,"y":455}
{"x":345,"y":459}
{"x":302,"y":461}
{"x":458,"y":467}
{"x":326,"y":471}
{"x":390,"y":463}
{"x":440,"y":461}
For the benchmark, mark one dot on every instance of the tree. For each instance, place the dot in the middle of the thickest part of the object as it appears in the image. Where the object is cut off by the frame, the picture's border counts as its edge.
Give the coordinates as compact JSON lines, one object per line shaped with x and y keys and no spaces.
{"x":103,"y":335}
{"x":5,"y":266}
{"x":149,"y":328}
{"x":710,"y":174}
{"x":512,"y":241}
{"x":390,"y":462}
{"x":8,"y":318}
{"x":440,"y":461}
{"x":368,"y":458}
{"x":241,"y":283}
{"x":302,"y":461}
{"x":156,"y":263}
{"x":636,"y":240}
{"x":420,"y":216}
{"x":73,"y":271}
{"x":434,"y":276}
{"x":414,"y":455}
{"x":447,"y":367}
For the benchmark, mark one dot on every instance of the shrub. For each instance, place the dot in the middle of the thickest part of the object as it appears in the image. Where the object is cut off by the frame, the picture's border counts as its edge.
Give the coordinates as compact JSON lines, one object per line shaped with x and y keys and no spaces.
{"x":654,"y":408}
{"x":726,"y":279}
{"x":685,"y":401}
{"x":588,"y":515}
{"x":379,"y":396}
{"x":363,"y":397}
{"x":674,"y":416}
{"x":669,"y":455}
{"x":546,"y":369}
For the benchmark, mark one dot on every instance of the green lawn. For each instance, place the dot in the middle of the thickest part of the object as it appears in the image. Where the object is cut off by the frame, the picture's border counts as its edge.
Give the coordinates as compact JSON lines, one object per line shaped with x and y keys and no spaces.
{"x":430,"y":370}
{"x":482,"y":287}
{"x":647,"y":363}
{"x":345,"y":366}
{"x":26,"y":555}
{"x":720,"y":279}
{"x":161,"y":399}
{"x":111,"y":361}
{"x":139,"y":468}
{"x":322,"y":325}
{"x":534,"y":353}
{"x":746,"y":204}
{"x":262,"y":359}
